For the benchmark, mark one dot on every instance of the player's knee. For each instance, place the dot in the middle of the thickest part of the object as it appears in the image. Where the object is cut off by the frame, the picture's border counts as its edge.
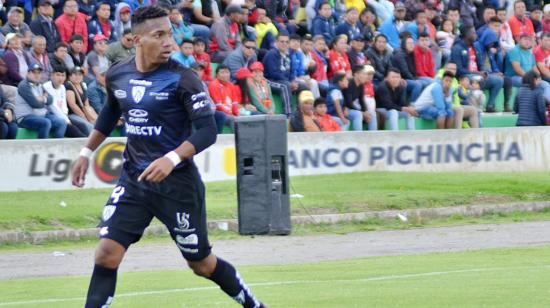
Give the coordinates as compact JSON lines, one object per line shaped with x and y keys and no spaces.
{"x":109,"y":254}
{"x":203,"y":268}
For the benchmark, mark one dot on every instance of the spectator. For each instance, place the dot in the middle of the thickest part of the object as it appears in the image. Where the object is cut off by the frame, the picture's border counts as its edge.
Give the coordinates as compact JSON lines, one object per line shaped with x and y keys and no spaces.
{"x":356,"y":53}
{"x":134,"y":4}
{"x":224,"y":34}
{"x":180,"y":31}
{"x":519,"y":22}
{"x":320,"y":68}
{"x":56,"y":90}
{"x":80,"y":110}
{"x":536,"y":19}
{"x":337,"y":57}
{"x":546,"y":19}
{"x":8,"y":127}
{"x":185,"y":55}
{"x":39,"y":55}
{"x":60,"y":57}
{"x":465,"y":104}
{"x":266,"y":31}
{"x":279,"y":71}
{"x":15,"y":22}
{"x":488,"y":13}
{"x":219,"y":116}
{"x":241,"y":57}
{"x":122,"y":49}
{"x":199,"y":15}
{"x":43,"y":25}
{"x":200,"y":55}
{"x":97,"y":93}
{"x":225,"y":95}
{"x":393,"y":26}
{"x":350,"y":25}
{"x":16,"y":59}
{"x":322,"y":23}
{"x":72,"y":22}
{"x":123,"y":18}
{"x":391,"y":102}
{"x":542,"y":56}
{"x":306,"y":48}
{"x":435,"y":102}
{"x":425,"y":67}
{"x":380,"y":57}
{"x":246,"y":108}
{"x":368,"y":24}
{"x":245,"y":31}
{"x":370,"y":98}
{"x":530,"y":104}
{"x":31,"y":109}
{"x":506,"y":39}
{"x":419,"y":26}
{"x":96,"y":60}
{"x":87,"y":7}
{"x":325,"y":121}
{"x":303,"y":119}
{"x":259,"y":90}
{"x":521,"y":60}
{"x":465,"y":57}
{"x":404,"y":59}
{"x":446,"y":38}
{"x":102,"y":25}
{"x":76,"y":53}
{"x":354,"y":97}
{"x":336,"y":105}
{"x":297,"y":59}
{"x":467,"y":12}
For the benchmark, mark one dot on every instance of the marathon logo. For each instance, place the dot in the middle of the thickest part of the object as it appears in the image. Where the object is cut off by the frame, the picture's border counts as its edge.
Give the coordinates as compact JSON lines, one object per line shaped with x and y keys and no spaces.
{"x":136,"y":82}
{"x":143,"y":130}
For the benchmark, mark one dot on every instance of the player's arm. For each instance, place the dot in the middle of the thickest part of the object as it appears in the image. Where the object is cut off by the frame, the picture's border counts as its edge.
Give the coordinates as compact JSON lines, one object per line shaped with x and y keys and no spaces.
{"x":106,"y":122}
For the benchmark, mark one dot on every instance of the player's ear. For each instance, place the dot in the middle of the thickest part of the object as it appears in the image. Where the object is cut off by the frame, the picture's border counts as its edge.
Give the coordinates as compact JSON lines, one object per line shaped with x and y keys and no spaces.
{"x":137,"y":39}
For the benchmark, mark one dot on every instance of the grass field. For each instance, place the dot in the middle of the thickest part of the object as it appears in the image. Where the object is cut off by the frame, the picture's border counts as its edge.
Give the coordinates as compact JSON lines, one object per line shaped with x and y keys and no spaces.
{"x":490,"y":278}
{"x":343,"y":193}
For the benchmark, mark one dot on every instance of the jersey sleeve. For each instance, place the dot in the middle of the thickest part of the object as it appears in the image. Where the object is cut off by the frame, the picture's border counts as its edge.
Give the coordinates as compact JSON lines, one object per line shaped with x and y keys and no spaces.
{"x":193,"y":96}
{"x":110,"y":113}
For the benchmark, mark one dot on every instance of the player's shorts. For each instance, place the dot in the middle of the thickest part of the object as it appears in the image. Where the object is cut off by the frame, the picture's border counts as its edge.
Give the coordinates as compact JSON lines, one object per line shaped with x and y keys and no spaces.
{"x":177,"y":201}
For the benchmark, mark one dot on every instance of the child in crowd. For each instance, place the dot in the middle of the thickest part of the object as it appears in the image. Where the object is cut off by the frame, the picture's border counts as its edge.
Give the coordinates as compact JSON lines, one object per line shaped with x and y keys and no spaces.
{"x":326,"y":122}
{"x":478,"y":97}
{"x":185,"y":56}
{"x":303,"y":119}
{"x":202,"y":56}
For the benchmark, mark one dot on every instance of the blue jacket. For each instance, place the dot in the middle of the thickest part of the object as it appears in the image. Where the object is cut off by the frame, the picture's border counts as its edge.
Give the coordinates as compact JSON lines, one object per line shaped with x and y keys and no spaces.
{"x":413,"y":30}
{"x":349,"y":30}
{"x":94,"y":28}
{"x":275,"y":67}
{"x":530,"y":107}
{"x":297,"y":63}
{"x":487,"y":39}
{"x":389,"y":29}
{"x":460,"y":56}
{"x":323,"y":26}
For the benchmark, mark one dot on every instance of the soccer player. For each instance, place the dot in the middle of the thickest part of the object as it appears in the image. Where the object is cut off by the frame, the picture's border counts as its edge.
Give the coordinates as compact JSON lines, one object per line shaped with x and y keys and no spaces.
{"x":160,"y":102}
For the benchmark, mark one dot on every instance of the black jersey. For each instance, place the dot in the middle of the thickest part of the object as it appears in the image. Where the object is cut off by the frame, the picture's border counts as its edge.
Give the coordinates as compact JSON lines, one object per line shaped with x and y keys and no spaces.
{"x":158,"y":108}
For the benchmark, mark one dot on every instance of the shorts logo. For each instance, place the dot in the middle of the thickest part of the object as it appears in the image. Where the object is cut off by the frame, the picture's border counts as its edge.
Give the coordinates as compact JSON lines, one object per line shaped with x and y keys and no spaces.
{"x":104,"y":231}
{"x":108,"y":212}
{"x":189,"y":240}
{"x":183,"y":223}
{"x":137,"y":93}
{"x":120,"y":94}
{"x":188,"y":250}
{"x":108,"y":162}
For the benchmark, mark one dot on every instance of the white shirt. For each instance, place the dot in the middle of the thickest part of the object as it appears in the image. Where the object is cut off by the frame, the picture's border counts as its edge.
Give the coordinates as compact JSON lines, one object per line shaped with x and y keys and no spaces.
{"x":59,"y":96}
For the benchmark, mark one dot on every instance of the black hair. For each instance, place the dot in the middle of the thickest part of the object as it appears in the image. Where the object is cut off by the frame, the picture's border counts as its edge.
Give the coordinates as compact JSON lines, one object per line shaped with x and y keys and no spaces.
{"x":59,"y":45}
{"x":518,"y":1}
{"x":423,"y":35}
{"x":379,"y":36}
{"x":357,"y":68}
{"x":222,"y":67}
{"x":339,"y":77}
{"x":199,"y":40}
{"x":126,"y":31}
{"x":319,"y":101}
{"x":307,"y":37}
{"x":76,"y":37}
{"x":453,"y":8}
{"x":295,"y":37}
{"x":418,"y":13}
{"x":494,"y":19}
{"x":352,"y":8}
{"x":188,"y":41}
{"x":393,"y":70}
{"x":404,"y":39}
{"x":465,"y":29}
{"x":489,"y":7}
{"x":283,"y":33}
{"x":99,"y":4}
{"x":323,"y":3}
{"x":448,"y":74}
{"x":529,"y":79}
{"x":145,"y":13}
{"x":249,"y":39}
{"x":59,"y":69}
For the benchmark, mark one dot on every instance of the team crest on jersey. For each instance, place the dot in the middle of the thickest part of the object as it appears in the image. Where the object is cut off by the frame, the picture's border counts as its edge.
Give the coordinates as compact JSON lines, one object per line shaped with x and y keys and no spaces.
{"x":137,"y":93}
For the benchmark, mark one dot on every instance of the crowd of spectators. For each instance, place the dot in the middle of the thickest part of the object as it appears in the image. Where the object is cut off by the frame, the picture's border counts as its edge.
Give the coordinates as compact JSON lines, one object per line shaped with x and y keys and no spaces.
{"x":350,"y":63}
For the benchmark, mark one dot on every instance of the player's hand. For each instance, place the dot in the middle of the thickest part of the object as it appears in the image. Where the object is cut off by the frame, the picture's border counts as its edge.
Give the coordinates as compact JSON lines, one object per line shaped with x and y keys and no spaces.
{"x":157,"y":170}
{"x":78,"y":173}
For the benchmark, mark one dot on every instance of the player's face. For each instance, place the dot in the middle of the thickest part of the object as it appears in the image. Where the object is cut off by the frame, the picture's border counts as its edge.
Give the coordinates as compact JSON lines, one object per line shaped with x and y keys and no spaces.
{"x":155,"y":40}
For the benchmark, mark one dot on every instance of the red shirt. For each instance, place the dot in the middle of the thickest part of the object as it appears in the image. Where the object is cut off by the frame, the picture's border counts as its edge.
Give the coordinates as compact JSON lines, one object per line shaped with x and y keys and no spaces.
{"x":320,"y":73}
{"x":233,"y":33}
{"x":473,"y":60}
{"x":368,"y":89}
{"x":338,"y":62}
{"x":327,"y":123}
{"x":545,"y":26}
{"x":205,"y":58}
{"x":225,"y":96}
{"x":542,"y":56}
{"x":424,"y":62}
{"x":521,"y":26}
{"x":105,"y":28}
{"x":67,"y":27}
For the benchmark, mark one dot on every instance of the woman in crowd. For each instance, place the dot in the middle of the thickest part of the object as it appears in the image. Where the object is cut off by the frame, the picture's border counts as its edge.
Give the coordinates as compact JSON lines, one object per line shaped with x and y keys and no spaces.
{"x":530,"y":104}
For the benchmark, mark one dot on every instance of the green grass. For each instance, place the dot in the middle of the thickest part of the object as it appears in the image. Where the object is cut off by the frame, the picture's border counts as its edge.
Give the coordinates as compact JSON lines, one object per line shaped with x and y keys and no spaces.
{"x":490,"y":278}
{"x":342,"y":193}
{"x":309,"y":229}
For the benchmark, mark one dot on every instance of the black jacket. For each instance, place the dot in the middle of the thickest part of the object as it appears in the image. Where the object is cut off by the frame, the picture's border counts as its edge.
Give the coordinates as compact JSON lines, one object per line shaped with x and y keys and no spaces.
{"x":380,"y":62}
{"x":530,"y":107}
{"x":354,"y":97}
{"x":390,"y":99}
{"x":39,"y":26}
{"x":404,"y":62}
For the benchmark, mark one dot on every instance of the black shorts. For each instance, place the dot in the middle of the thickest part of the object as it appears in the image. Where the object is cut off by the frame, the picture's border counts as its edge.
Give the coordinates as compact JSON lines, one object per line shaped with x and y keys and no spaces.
{"x":177,"y":201}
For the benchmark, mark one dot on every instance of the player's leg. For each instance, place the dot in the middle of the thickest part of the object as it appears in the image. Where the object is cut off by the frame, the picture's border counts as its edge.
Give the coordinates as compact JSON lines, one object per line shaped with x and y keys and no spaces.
{"x":123,"y":222}
{"x":182,"y":210}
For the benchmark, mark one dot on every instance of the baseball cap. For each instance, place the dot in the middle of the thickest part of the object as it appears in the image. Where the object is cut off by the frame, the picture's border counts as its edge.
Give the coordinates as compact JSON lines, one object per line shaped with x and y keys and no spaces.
{"x":400,"y":6}
{"x":257,"y":66}
{"x":34,"y":66}
{"x":243,"y":73}
{"x":44,"y":3}
{"x":233,"y":9}
{"x":306,"y":97}
{"x":99,"y":37}
{"x":125,"y":9}
{"x":358,"y":37}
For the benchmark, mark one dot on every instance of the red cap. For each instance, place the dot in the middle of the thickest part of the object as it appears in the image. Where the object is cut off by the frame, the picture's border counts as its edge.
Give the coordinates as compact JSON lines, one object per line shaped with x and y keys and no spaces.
{"x":99,"y":37}
{"x":125,"y":9}
{"x":243,"y":73}
{"x":257,"y":66}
